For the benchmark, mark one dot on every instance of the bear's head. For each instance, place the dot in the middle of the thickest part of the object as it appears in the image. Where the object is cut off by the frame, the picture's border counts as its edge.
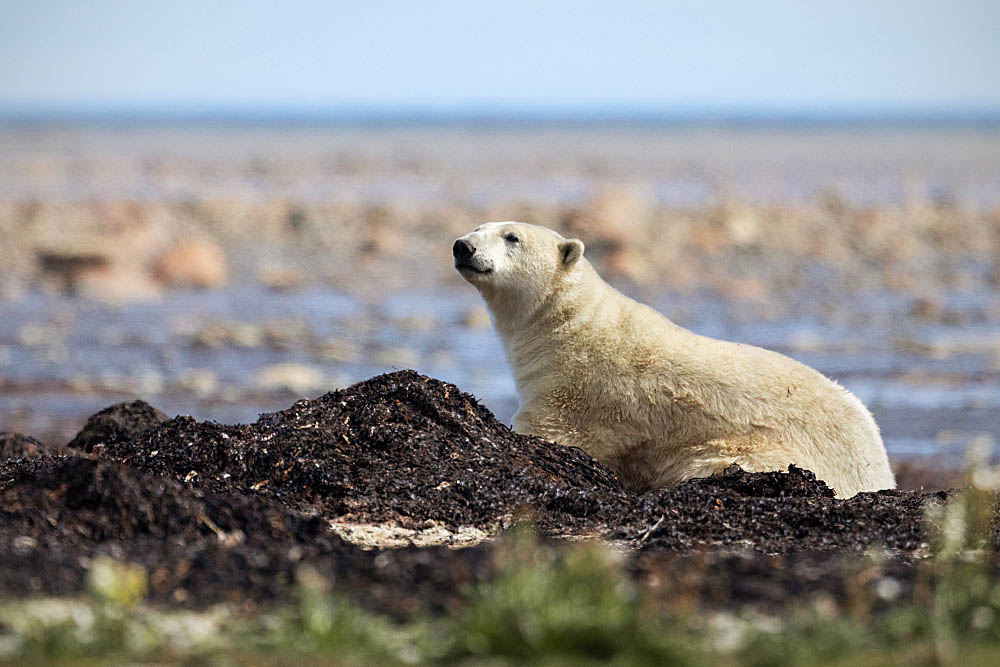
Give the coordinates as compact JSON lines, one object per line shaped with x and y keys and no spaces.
{"x":516,"y":264}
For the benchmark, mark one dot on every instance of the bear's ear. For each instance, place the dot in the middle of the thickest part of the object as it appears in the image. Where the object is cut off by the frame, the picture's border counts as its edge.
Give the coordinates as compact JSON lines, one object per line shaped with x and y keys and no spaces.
{"x":570,"y":250}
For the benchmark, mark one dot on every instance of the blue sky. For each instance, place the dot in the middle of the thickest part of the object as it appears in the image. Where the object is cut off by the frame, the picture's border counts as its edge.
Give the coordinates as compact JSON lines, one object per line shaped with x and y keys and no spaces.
{"x":782,"y":56}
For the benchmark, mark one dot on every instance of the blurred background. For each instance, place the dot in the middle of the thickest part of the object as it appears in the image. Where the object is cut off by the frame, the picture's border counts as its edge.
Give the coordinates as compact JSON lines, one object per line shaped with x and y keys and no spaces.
{"x":223,"y":207}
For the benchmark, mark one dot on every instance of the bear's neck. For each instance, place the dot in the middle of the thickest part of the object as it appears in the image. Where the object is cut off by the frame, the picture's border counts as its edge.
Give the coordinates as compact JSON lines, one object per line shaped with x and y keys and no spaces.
{"x":530,"y":332}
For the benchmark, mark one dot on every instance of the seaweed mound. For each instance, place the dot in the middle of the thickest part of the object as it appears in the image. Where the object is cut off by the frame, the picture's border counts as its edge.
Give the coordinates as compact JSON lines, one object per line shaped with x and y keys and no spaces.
{"x":228,"y":512}
{"x":198,"y":547}
{"x":117,"y":424}
{"x":19,"y":446}
{"x":399,"y":446}
{"x":409,"y":449}
{"x":773,"y":513}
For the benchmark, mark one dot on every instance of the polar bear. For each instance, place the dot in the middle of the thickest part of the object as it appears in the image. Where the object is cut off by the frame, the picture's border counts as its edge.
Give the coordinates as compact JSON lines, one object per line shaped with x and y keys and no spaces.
{"x":656,"y":403}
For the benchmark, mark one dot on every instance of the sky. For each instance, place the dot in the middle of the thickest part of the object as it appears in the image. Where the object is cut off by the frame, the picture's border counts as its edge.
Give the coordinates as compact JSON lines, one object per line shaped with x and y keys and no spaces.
{"x":669,"y":56}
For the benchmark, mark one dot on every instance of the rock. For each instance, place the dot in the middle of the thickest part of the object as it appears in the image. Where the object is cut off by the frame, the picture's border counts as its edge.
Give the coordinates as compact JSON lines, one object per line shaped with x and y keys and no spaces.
{"x":192,"y":262}
{"x":926,"y":309}
{"x":201,"y":382}
{"x":616,"y":215}
{"x":383,"y":234}
{"x":279,"y":277}
{"x":40,"y":335}
{"x":743,"y":226}
{"x":146,"y":383}
{"x":337,"y":349}
{"x":119,"y":284}
{"x":223,"y":333}
{"x":805,"y":340}
{"x":615,"y":226}
{"x":287,"y":333}
{"x":629,"y":262}
{"x":70,"y":265}
{"x":121,"y":422}
{"x":246,"y":334}
{"x":993,"y":276}
{"x":415,"y":323}
{"x":107,"y":259}
{"x":396,"y":357}
{"x":296,"y":378}
{"x":477,"y":318}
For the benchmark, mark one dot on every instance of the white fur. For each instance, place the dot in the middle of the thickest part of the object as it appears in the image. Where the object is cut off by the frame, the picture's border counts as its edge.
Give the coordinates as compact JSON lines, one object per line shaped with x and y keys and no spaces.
{"x":657,"y":403}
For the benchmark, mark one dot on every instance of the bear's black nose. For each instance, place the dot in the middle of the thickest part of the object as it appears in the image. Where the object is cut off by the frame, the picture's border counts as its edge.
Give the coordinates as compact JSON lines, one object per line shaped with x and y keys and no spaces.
{"x":463,"y":249}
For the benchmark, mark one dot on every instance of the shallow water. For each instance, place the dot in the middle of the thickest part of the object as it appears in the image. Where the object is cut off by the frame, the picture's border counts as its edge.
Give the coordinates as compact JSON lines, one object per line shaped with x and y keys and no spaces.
{"x":934,"y":387}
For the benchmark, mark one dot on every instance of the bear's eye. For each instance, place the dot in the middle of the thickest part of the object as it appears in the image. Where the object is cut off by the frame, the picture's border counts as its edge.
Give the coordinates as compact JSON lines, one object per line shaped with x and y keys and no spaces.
{"x":512,"y":238}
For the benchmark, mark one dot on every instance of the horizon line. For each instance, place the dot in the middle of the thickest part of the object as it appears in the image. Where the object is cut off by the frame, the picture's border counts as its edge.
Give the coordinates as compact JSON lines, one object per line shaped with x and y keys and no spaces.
{"x":482,"y":115}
